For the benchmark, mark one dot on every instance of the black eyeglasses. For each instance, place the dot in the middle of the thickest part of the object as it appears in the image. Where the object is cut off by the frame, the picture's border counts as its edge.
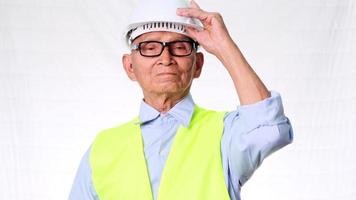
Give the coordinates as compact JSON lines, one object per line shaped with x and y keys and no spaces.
{"x":175,"y":48}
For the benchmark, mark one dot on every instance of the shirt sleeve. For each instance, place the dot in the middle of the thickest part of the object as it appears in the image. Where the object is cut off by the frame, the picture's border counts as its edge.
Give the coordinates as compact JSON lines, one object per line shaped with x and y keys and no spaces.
{"x":251,"y":133}
{"x":82,"y":188}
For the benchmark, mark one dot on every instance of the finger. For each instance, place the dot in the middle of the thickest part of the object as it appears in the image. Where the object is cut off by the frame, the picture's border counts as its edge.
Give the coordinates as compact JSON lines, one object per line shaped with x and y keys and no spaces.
{"x":194,"y":4}
{"x":193,"y":12}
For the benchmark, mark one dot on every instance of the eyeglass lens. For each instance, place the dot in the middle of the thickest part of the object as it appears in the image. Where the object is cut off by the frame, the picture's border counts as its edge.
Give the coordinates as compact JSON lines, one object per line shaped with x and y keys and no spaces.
{"x":176,"y":48}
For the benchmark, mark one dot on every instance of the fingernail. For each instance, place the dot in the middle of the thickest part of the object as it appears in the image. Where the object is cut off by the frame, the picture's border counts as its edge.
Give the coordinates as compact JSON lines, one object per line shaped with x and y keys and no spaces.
{"x":180,"y":10}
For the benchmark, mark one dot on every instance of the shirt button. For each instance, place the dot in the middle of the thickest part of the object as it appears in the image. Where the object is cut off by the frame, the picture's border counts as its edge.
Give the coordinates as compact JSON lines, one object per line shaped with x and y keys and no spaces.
{"x":162,"y":153}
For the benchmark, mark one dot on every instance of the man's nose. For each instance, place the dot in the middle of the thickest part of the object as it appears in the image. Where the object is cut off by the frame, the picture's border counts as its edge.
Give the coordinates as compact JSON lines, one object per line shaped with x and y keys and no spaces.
{"x":166,"y":57}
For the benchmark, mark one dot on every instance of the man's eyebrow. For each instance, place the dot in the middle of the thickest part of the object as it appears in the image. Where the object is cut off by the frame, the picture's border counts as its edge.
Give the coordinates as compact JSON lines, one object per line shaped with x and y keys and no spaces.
{"x":175,"y":40}
{"x":155,"y":38}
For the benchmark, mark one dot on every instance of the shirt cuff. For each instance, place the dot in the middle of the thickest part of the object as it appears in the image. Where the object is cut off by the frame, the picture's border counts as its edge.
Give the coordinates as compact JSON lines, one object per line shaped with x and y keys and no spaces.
{"x":263,"y":113}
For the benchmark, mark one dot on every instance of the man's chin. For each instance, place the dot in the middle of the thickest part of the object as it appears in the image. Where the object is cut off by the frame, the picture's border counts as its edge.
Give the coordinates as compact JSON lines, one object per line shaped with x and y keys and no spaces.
{"x":168,"y":88}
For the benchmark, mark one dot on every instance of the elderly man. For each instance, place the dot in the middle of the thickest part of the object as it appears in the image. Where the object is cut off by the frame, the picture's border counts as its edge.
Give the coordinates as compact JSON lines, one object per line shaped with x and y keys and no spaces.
{"x":175,"y":149}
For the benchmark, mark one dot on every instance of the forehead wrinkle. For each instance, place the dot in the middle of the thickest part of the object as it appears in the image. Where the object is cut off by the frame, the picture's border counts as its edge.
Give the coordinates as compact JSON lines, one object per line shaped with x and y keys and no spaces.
{"x":160,"y":36}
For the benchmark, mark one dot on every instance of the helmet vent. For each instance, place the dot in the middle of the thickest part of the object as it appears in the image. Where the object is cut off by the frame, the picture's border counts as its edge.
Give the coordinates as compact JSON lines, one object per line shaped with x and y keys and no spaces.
{"x":164,"y":25}
{"x":156,"y":26}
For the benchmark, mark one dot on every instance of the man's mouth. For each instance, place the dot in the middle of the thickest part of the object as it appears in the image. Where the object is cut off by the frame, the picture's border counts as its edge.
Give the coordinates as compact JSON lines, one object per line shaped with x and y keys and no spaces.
{"x":167,"y":74}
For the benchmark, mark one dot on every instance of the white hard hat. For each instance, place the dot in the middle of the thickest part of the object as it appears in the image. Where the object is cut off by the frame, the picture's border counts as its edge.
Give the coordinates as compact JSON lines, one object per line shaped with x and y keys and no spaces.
{"x":158,"y":15}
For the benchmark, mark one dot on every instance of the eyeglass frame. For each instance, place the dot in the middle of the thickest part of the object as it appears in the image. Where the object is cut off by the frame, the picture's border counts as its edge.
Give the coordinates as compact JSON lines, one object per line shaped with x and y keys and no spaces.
{"x":194,"y":45}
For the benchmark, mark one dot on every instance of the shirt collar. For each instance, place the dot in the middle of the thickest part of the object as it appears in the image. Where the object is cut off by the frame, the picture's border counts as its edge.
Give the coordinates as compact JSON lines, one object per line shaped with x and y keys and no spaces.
{"x":182,"y":111}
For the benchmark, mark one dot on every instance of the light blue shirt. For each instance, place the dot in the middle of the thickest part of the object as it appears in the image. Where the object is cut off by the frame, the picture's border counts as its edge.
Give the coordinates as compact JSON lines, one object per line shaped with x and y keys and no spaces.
{"x":251,"y":133}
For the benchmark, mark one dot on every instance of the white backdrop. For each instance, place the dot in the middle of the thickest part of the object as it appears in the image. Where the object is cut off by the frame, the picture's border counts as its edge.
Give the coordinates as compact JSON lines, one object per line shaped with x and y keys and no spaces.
{"x":61,"y":81}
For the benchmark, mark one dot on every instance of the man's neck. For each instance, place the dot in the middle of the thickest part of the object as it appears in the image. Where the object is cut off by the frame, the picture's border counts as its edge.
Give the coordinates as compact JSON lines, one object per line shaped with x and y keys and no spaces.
{"x":163,"y":102}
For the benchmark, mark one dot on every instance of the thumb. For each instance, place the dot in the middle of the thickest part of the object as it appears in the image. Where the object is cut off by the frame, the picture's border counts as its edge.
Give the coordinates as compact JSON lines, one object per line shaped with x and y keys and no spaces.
{"x":193,"y":33}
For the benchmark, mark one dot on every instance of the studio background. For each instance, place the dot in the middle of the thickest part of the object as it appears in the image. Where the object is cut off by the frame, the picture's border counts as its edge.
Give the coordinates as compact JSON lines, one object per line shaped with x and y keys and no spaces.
{"x":61,"y":82}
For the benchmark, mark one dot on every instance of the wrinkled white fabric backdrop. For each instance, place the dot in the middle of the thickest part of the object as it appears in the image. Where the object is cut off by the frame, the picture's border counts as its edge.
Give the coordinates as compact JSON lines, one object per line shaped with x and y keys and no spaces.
{"x":61,"y":81}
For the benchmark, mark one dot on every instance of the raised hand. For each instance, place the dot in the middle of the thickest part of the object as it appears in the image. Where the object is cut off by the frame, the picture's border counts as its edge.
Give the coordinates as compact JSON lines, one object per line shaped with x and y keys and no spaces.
{"x":214,"y":38}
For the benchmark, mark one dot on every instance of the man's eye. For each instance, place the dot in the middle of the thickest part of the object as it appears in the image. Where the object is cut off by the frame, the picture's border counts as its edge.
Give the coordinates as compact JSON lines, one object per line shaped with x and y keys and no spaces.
{"x":149,"y":47}
{"x":180,"y":46}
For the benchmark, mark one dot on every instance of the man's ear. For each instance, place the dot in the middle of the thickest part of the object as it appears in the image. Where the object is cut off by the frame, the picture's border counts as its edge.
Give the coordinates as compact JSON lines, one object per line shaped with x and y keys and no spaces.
{"x":127,"y":64}
{"x":199,"y":62}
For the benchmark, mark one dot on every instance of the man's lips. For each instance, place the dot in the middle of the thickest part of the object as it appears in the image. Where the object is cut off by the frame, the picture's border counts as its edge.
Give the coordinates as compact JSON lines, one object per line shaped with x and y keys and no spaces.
{"x":167,"y":74}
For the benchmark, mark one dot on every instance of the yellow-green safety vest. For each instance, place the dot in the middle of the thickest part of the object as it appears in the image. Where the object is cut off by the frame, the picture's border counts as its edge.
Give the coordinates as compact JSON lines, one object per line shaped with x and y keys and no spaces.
{"x":193,"y":170}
